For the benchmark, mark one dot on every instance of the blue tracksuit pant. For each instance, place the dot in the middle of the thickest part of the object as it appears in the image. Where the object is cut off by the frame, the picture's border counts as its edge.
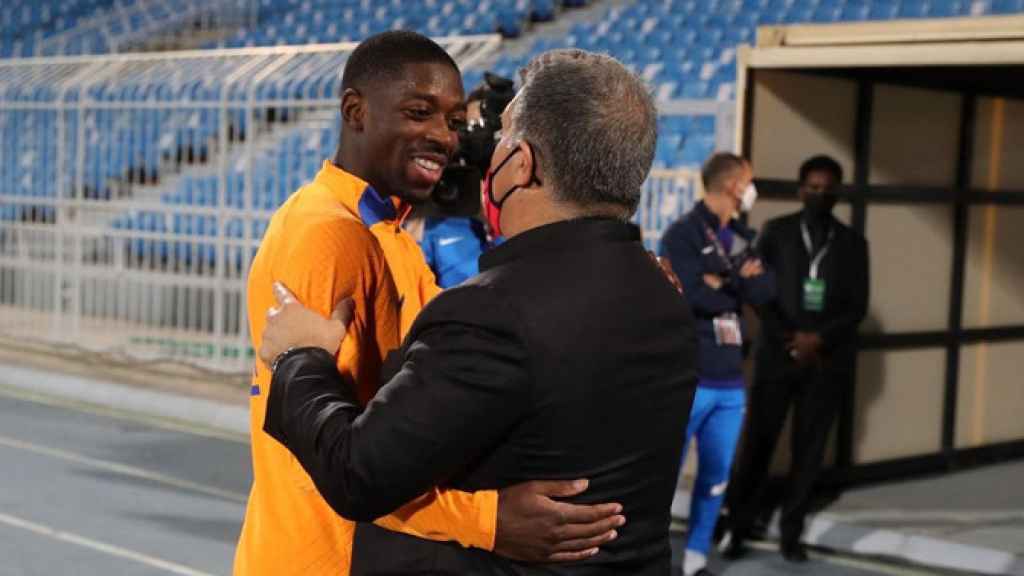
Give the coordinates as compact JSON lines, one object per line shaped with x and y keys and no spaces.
{"x":715,"y":421}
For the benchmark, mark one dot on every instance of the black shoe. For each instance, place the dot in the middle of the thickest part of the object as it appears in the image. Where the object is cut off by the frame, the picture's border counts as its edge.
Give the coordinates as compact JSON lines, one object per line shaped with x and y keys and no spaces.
{"x":704,"y":572}
{"x":759,"y":530}
{"x":794,"y":552}
{"x":736,"y":549}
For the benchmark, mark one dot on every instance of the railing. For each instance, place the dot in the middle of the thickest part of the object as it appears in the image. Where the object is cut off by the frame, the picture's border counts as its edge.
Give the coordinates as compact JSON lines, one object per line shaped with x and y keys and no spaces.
{"x":668,"y":194}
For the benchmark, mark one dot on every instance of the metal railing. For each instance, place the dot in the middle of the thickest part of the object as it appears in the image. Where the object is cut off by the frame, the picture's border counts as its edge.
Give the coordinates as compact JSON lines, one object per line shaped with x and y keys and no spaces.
{"x":668,"y":194}
{"x":134,"y":190}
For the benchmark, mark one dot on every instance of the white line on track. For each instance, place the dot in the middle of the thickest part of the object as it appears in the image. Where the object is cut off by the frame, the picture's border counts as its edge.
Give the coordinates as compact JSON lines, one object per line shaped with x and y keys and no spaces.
{"x":82,"y":406}
{"x":856,"y":563}
{"x":122,"y":469}
{"x":105,"y":548}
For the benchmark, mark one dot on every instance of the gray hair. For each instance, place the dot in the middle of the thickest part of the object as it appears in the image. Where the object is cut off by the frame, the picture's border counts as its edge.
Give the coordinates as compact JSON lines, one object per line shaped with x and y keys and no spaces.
{"x":592,"y":125}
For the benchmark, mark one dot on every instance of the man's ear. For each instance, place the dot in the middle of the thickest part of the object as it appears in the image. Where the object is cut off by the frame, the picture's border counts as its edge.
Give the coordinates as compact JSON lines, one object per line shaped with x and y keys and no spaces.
{"x":526,"y":166}
{"x":353,"y":110}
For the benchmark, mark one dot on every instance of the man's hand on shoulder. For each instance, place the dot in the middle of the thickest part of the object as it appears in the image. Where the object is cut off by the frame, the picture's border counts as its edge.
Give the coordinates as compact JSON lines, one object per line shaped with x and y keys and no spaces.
{"x":534,"y":527}
{"x":292,"y":325}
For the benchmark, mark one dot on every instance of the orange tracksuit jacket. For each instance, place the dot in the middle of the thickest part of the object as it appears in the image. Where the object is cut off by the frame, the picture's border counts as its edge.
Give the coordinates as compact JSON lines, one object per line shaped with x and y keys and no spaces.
{"x":335,"y":237}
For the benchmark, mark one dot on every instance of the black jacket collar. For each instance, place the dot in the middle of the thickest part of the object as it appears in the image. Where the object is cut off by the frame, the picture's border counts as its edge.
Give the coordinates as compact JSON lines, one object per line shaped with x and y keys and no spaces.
{"x":708,"y":217}
{"x":821,"y":226}
{"x":560,"y":236}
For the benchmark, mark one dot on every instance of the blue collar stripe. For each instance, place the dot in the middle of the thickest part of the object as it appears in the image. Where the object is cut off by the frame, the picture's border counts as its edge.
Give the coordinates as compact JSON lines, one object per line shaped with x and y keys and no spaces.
{"x":373,"y":208}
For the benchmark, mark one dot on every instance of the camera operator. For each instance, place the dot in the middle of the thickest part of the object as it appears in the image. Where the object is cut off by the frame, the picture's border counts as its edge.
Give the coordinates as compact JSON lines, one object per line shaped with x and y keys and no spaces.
{"x":454,"y":230}
{"x":712,"y":253}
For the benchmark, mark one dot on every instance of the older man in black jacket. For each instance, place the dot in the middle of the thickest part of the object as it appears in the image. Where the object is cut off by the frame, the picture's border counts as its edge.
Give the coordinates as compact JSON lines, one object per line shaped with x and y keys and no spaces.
{"x":569,"y":356}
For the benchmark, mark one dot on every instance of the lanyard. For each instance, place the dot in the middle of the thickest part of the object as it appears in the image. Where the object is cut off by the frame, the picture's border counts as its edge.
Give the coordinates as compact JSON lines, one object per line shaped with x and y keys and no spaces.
{"x":718,"y":247}
{"x":816,"y":258}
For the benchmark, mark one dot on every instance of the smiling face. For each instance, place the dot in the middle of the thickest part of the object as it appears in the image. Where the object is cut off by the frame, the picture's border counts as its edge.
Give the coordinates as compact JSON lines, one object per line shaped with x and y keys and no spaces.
{"x":410,"y":129}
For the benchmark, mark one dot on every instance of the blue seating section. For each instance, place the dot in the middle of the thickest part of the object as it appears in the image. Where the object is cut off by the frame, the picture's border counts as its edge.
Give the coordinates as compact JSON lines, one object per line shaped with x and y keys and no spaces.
{"x":314,"y":21}
{"x":133,"y":144}
{"x":69,"y":27}
{"x":687,"y":47}
{"x":131,"y":23}
{"x":277,"y":171}
{"x":181,"y":253}
{"x":27,"y":170}
{"x":119,"y":141}
{"x":25,"y":24}
{"x":684,"y":140}
{"x":684,"y":48}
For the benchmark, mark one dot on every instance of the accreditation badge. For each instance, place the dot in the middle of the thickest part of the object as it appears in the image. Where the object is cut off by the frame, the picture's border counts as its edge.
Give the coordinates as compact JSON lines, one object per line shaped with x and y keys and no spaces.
{"x":814,"y":294}
{"x":727,"y":330}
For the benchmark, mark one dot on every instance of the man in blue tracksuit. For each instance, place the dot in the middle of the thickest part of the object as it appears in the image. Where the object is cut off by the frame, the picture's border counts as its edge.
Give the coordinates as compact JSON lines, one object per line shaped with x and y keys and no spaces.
{"x":451,"y":246}
{"x":713,"y":254}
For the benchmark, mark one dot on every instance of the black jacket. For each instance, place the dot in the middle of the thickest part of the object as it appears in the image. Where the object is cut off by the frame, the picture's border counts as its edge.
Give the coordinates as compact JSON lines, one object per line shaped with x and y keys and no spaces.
{"x":569,"y":356}
{"x":845,"y":271}
{"x":693,"y":254}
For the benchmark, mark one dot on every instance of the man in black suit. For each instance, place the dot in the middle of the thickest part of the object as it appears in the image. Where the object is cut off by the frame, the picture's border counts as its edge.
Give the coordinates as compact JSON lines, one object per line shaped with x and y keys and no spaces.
{"x":806,"y":354}
{"x":569,"y":356}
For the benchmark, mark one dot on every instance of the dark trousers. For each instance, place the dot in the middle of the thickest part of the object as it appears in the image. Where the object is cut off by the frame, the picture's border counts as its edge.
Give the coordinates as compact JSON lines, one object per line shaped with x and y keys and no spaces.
{"x":814,"y":394}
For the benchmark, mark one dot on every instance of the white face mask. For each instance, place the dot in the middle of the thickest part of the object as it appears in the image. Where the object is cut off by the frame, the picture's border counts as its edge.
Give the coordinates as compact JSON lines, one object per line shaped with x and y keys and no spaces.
{"x":748,"y":198}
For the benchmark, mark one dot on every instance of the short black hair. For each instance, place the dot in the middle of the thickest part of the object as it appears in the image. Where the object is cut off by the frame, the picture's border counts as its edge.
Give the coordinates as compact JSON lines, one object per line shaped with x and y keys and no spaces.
{"x":821,"y":163}
{"x":718,"y":168}
{"x":385,"y":54}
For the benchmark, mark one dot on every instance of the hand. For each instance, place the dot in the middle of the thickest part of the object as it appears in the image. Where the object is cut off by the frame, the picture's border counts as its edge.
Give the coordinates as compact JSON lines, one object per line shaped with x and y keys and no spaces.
{"x":714,"y":281}
{"x":666,"y":269}
{"x":751,"y":268}
{"x":532,"y":527}
{"x":292,"y":325}
{"x":804,"y":347}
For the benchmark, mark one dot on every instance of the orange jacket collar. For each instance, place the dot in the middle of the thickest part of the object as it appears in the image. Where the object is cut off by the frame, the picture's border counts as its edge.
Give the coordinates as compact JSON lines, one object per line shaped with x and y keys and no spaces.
{"x":360,"y":198}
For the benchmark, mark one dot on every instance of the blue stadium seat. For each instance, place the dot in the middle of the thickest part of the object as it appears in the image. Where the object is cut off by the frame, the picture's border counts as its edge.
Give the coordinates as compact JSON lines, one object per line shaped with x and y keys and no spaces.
{"x":855,"y":12}
{"x":1006,"y":6}
{"x":543,"y":10}
{"x":883,"y":11}
{"x":913,"y":10}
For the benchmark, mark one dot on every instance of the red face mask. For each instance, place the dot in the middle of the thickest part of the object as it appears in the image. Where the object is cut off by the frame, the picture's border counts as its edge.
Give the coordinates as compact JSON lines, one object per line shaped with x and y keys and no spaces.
{"x":492,"y":213}
{"x":492,"y":207}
